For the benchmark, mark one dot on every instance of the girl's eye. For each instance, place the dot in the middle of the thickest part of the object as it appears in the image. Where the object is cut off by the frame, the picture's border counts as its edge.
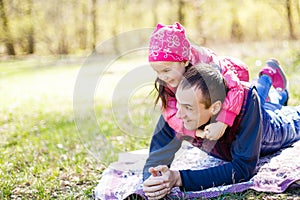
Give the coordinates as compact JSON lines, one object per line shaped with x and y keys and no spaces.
{"x":166,"y":70}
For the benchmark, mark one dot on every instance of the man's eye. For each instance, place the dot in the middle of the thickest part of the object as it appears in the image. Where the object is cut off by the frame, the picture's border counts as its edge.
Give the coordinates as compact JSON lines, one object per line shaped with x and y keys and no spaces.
{"x":188,"y":108}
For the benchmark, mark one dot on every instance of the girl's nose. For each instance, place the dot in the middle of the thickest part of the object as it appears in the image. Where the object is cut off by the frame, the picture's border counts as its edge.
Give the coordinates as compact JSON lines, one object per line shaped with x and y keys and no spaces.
{"x":163,"y":77}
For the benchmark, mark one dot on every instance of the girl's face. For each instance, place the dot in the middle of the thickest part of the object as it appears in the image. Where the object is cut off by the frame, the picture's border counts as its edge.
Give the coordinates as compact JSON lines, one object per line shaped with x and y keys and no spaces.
{"x":169,"y":72}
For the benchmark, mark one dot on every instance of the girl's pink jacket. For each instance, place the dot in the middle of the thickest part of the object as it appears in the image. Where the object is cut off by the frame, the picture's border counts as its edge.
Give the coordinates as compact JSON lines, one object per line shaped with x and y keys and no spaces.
{"x":233,"y":70}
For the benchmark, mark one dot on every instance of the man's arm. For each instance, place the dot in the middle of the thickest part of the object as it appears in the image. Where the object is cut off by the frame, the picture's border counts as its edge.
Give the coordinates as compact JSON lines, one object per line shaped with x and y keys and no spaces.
{"x":163,"y":147}
{"x":245,"y":152}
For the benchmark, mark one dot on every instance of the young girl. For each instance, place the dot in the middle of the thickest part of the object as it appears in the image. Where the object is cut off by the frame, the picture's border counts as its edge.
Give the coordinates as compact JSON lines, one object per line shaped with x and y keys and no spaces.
{"x":170,"y":54}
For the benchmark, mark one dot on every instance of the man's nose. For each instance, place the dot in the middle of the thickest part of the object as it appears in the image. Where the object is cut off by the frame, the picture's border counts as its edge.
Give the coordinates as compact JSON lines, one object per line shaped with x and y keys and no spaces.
{"x":179,"y":113}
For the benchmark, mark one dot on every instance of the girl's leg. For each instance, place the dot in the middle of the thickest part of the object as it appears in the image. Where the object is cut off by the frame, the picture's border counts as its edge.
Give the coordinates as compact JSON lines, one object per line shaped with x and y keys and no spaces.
{"x":278,"y":94}
{"x":274,"y":70}
{"x":263,"y":85}
{"x":283,"y":97}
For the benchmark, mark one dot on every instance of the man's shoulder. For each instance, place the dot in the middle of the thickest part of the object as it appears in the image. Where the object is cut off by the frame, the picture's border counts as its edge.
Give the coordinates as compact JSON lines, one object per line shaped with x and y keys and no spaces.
{"x":250,"y":96}
{"x":248,"y":87}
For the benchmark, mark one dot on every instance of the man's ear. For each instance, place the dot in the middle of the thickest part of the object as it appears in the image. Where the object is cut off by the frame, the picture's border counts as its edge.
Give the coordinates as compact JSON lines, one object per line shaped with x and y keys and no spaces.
{"x":216,"y":107}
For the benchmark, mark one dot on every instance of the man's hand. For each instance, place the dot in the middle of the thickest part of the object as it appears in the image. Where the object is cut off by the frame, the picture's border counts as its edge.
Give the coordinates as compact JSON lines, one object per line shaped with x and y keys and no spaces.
{"x":213,"y":131}
{"x":154,"y":172}
{"x":160,"y":183}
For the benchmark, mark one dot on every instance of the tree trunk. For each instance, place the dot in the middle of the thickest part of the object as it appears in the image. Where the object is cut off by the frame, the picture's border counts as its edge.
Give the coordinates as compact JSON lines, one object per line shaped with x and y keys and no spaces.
{"x":7,"y":35}
{"x":120,"y":4}
{"x":236,"y":28}
{"x":154,"y":8}
{"x":298,"y":10}
{"x":180,"y":11}
{"x":82,"y":30}
{"x":201,"y":38}
{"x":290,"y":23}
{"x":94,"y":22}
{"x":61,"y":22}
{"x":30,"y":34}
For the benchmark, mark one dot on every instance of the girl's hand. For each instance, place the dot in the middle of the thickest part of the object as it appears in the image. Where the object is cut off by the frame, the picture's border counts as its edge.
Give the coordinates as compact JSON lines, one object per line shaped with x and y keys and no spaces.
{"x":200,"y":133}
{"x":213,"y":131}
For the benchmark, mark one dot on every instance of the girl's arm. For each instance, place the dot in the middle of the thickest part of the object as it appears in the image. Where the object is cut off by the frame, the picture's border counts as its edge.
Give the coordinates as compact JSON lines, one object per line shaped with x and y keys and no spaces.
{"x":234,"y":98}
{"x":229,"y":69}
{"x":232,"y":104}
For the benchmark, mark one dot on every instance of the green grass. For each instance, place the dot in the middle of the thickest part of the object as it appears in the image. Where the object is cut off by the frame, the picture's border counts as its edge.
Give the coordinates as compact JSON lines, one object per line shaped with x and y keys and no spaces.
{"x":41,"y":153}
{"x":45,"y":156}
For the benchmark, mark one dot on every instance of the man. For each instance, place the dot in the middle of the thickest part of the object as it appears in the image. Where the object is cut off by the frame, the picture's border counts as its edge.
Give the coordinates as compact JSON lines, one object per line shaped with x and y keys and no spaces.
{"x":259,"y":129}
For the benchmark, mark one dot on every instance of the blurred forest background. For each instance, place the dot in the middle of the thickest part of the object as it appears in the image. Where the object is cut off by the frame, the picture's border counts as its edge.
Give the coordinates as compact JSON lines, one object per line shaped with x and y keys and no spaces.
{"x":43,"y":46}
{"x":72,"y":27}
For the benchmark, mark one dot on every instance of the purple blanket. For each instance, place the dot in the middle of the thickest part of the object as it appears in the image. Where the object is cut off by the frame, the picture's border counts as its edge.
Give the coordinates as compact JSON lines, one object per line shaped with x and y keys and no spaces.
{"x":275,"y":173}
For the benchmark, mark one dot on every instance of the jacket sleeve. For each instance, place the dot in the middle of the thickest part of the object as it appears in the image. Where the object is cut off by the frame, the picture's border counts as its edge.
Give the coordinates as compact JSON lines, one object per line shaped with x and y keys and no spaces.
{"x":235,"y":96}
{"x":245,"y":152}
{"x":169,"y":114}
{"x":163,"y":147}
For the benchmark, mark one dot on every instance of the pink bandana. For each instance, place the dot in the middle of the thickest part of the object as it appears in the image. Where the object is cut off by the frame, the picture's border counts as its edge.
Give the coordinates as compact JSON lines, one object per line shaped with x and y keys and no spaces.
{"x":169,"y":43}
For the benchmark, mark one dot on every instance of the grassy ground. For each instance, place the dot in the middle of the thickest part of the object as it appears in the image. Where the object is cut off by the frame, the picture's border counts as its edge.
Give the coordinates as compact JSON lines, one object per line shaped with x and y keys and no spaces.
{"x":41,"y":154}
{"x":45,"y":156}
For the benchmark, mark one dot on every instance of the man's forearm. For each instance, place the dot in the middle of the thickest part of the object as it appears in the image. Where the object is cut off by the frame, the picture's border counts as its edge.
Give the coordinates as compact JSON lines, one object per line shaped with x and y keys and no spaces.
{"x":163,"y":147}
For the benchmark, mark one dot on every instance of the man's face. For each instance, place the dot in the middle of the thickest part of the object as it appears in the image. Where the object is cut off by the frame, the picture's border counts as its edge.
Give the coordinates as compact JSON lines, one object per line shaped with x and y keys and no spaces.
{"x":190,"y":110}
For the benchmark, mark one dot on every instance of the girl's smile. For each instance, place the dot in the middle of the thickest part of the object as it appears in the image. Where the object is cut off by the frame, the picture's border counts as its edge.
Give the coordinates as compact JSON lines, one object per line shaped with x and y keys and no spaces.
{"x":169,"y":72}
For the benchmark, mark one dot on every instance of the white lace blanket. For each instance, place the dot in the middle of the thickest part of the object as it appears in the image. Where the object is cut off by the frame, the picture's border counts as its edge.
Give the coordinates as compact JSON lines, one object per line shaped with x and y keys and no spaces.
{"x":275,"y":173}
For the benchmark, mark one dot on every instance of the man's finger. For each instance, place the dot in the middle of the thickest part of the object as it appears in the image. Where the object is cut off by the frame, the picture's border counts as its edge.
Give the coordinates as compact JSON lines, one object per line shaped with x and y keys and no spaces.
{"x":157,"y":195}
{"x":153,"y":181}
{"x":161,"y":168}
{"x":154,"y":172}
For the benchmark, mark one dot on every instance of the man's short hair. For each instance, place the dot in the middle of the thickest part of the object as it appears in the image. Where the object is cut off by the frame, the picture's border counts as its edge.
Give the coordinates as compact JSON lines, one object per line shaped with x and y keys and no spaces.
{"x":208,"y":80}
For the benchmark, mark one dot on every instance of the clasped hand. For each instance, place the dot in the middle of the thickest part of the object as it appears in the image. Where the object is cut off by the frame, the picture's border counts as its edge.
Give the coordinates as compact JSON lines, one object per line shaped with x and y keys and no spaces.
{"x":161,"y":181}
